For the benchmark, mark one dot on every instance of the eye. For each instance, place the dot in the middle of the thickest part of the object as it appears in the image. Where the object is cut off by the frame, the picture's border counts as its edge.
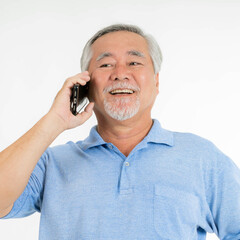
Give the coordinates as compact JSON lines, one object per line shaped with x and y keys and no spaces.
{"x":134,"y":63}
{"x":105,"y":65}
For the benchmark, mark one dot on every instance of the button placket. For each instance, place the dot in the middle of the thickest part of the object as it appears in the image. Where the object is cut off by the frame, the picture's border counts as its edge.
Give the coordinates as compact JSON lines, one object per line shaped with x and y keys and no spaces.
{"x":125,"y":185}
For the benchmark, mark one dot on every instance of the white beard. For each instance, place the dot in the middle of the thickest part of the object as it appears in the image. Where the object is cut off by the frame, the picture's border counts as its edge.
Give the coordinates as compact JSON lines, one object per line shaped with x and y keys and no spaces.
{"x":122,"y":108}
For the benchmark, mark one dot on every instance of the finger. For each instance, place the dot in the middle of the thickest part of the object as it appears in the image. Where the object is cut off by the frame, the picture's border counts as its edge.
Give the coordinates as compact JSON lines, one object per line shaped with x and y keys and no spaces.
{"x":82,"y":79}
{"x":87,"y":113}
{"x":89,"y":107}
{"x":86,"y":73}
{"x":82,"y":76}
{"x":71,"y":81}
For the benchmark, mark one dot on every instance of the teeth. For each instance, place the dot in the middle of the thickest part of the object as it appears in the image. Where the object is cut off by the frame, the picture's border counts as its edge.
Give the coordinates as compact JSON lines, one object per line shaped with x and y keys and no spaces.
{"x":121,"y":91}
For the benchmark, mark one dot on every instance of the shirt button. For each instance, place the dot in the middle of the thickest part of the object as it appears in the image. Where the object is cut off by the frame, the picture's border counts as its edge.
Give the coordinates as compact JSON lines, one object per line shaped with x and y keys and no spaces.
{"x":110,"y":146}
{"x":127,"y":164}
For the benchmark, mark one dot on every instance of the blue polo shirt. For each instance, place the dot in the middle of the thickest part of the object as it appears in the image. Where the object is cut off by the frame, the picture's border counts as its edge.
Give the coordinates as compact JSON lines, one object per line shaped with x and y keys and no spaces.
{"x":172,"y":186}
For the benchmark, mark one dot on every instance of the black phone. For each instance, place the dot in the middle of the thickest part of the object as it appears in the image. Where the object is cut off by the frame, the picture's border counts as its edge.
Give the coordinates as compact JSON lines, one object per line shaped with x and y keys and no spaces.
{"x":78,"y":98}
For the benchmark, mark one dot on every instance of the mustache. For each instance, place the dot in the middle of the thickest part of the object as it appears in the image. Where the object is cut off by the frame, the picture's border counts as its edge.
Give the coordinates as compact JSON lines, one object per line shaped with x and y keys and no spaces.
{"x":121,"y":85}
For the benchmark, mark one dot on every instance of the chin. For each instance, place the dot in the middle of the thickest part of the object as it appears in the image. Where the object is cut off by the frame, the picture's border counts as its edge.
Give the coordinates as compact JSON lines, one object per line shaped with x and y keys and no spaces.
{"x":122,"y":111}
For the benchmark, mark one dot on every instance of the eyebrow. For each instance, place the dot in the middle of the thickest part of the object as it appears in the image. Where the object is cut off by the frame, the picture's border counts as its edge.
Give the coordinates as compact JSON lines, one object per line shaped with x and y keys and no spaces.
{"x":103,"y":55}
{"x":131,"y":53}
{"x":136,"y":53}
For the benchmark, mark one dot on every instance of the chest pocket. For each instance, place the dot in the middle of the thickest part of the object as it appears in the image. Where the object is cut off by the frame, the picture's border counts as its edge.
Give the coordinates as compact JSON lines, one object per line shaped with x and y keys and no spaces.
{"x":175,"y":213}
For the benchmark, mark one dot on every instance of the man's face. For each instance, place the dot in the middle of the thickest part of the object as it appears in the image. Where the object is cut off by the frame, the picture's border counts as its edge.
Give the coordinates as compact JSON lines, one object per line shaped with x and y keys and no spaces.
{"x":123,"y":83}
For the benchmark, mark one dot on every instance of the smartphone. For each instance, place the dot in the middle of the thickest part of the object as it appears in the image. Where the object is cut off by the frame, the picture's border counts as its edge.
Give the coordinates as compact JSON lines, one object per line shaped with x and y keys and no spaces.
{"x":78,"y":98}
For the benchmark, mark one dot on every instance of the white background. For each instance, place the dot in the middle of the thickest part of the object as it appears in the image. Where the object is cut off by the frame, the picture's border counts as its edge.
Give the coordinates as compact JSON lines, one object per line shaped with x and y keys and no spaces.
{"x":41,"y":43}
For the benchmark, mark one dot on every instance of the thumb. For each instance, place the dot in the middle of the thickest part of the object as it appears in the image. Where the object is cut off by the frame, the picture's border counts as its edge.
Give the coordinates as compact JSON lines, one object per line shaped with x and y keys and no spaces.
{"x":87,"y":113}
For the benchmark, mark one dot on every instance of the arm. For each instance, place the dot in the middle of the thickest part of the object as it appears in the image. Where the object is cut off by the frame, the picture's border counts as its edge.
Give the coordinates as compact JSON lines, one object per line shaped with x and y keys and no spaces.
{"x":19,"y":159}
{"x":223,"y":196}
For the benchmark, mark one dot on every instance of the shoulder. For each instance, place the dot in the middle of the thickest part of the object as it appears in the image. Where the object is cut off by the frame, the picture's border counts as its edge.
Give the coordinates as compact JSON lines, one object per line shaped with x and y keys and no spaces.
{"x":62,"y":151}
{"x":201,"y":149}
{"x":193,"y":142}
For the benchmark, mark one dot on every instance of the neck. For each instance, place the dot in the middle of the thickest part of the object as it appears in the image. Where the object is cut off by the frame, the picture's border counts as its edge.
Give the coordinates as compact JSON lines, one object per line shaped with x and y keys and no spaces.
{"x":125,"y":135}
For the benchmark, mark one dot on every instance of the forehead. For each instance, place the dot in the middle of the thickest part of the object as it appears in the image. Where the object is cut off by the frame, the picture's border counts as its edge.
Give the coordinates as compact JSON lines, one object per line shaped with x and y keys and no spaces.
{"x":121,"y":41}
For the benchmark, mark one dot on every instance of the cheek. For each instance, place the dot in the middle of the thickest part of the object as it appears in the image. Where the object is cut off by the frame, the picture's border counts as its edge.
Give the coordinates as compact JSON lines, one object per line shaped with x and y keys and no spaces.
{"x":148,"y":86}
{"x":146,"y":80}
{"x":98,"y":82}
{"x":99,"y":77}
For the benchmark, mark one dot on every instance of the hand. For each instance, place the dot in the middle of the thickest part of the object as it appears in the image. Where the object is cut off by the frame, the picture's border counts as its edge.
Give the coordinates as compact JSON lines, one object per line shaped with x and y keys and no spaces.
{"x":61,"y":104}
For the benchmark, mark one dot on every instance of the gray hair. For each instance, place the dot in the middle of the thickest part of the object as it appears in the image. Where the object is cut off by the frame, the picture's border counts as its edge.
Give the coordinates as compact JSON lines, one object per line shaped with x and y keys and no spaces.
{"x":154,"y":49}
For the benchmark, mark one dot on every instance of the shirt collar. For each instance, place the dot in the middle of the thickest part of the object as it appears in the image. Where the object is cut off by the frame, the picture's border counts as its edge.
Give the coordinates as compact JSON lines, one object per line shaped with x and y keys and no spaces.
{"x":156,"y":135}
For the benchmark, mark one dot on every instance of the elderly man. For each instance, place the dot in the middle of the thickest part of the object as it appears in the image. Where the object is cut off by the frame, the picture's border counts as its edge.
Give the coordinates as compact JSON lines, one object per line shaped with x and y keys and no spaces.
{"x":130,"y":179}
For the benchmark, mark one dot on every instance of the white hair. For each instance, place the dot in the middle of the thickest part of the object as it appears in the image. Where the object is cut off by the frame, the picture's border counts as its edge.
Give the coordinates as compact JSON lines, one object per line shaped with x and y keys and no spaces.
{"x":154,"y":49}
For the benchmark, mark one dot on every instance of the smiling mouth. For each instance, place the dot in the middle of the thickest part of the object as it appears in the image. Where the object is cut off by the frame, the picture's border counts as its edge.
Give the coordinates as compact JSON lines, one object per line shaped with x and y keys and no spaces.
{"x":121,"y":91}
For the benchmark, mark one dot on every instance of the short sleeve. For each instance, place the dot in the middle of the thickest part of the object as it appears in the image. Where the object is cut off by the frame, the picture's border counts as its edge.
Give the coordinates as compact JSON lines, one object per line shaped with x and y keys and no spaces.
{"x":224,"y":197}
{"x":30,"y":200}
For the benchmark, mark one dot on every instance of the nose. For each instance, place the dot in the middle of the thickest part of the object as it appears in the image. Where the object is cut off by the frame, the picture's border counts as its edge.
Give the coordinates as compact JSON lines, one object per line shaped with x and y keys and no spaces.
{"x":120,"y":72}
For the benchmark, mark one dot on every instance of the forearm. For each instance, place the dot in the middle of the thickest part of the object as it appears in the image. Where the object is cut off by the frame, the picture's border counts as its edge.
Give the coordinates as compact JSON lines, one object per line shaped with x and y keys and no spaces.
{"x":19,"y":159}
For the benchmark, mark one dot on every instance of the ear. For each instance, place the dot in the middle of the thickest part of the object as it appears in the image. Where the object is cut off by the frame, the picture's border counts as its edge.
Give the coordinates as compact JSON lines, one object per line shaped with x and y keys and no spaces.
{"x":157,"y":82}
